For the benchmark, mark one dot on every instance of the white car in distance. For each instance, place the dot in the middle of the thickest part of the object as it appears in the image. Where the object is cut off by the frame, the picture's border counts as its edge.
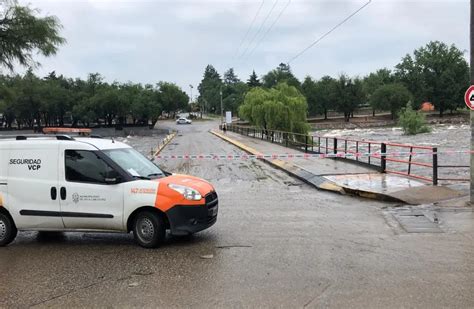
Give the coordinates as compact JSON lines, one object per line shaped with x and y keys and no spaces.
{"x":183,"y":120}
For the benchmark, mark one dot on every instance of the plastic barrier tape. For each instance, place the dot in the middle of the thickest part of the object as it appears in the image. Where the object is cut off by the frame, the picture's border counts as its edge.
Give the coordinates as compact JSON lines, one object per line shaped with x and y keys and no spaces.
{"x":350,"y":155}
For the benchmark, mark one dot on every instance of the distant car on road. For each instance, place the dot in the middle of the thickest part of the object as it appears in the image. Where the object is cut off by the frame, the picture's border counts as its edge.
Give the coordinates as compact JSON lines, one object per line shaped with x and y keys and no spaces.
{"x":183,"y":120}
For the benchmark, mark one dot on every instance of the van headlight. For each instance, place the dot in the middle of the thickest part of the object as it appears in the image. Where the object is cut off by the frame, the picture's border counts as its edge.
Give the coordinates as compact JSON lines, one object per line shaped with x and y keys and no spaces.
{"x":187,"y":192}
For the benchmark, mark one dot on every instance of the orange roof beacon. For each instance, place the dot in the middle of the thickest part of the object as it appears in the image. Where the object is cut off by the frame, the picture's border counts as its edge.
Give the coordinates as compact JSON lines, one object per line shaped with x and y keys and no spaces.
{"x":91,"y":184}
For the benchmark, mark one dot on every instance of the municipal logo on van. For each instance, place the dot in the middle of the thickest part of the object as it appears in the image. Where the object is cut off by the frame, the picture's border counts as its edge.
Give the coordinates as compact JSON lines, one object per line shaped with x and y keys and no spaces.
{"x":75,"y":198}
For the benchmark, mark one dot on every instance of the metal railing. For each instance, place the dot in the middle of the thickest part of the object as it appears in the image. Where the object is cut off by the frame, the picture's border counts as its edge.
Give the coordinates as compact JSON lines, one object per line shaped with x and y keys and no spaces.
{"x":385,"y":157}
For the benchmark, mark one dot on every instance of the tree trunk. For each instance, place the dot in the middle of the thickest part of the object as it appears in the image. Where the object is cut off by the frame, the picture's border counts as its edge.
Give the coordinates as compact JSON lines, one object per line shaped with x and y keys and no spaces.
{"x":325,"y":114}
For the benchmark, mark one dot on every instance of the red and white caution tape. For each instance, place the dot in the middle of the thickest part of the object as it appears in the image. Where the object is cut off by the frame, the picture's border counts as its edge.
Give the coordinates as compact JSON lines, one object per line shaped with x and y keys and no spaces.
{"x":349,"y":155}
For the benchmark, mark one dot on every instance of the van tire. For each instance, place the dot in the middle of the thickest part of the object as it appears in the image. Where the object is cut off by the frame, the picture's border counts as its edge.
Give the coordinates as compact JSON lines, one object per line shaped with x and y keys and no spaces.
{"x":149,"y":229}
{"x":8,"y":230}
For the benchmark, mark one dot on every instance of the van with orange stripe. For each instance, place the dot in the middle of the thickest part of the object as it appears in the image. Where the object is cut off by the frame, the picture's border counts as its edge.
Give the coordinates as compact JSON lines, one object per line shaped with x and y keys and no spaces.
{"x":86,"y":184}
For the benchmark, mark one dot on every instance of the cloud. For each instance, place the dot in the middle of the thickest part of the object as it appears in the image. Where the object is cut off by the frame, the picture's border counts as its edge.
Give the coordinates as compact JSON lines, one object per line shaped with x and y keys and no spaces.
{"x":148,"y":41}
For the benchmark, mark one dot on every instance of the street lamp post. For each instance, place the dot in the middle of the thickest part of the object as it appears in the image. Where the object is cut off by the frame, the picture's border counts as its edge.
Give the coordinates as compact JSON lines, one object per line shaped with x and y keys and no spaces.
{"x":191,"y":99}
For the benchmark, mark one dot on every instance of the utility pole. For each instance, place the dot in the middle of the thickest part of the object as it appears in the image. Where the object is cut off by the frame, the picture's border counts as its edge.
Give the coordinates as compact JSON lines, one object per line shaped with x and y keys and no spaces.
{"x":222,"y":108}
{"x":191,"y":99}
{"x":471,"y":43}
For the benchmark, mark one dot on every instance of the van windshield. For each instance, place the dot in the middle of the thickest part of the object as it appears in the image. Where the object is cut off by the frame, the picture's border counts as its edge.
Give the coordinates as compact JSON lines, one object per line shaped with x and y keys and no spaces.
{"x":134,"y":163}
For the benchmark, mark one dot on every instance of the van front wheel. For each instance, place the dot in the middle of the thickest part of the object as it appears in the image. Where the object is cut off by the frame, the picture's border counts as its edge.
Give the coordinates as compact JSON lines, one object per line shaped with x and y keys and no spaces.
{"x":8,"y":230}
{"x":149,"y":229}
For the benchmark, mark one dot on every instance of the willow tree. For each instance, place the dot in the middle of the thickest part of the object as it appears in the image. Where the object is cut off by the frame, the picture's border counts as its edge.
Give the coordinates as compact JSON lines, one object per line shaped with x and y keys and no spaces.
{"x":281,"y":108}
{"x":23,"y":33}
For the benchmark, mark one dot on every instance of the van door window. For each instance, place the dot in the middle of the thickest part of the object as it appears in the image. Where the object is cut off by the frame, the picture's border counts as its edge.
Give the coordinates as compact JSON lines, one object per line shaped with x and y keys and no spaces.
{"x":86,"y":166}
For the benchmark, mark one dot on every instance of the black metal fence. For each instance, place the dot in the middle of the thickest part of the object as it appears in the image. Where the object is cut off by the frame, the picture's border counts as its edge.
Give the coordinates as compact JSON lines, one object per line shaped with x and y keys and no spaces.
{"x":385,"y":157}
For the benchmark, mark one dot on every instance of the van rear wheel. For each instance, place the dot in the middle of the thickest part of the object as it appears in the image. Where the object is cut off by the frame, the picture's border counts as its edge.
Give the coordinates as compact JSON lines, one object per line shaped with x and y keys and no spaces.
{"x":8,"y":230}
{"x":149,"y":229}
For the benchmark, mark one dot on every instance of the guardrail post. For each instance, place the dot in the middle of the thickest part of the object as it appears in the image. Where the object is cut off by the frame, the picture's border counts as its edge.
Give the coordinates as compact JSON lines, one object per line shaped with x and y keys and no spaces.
{"x":435,"y":166}
{"x":383,"y":156}
{"x":357,"y":151}
{"x":409,"y":160}
{"x":306,"y":143}
{"x":335,"y":145}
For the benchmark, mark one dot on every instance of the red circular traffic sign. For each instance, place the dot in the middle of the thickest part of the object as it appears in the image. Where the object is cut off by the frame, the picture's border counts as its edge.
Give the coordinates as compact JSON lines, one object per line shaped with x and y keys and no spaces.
{"x":469,"y":97}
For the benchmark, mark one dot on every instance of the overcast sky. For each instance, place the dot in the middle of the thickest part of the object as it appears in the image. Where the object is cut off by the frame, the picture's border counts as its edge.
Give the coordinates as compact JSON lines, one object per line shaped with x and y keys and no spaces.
{"x":148,"y":41}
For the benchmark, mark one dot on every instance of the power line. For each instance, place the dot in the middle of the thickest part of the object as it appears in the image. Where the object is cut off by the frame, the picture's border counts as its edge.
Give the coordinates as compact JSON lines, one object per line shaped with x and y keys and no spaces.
{"x":332,"y":29}
{"x":259,"y":29}
{"x":250,"y":28}
{"x":269,"y":28}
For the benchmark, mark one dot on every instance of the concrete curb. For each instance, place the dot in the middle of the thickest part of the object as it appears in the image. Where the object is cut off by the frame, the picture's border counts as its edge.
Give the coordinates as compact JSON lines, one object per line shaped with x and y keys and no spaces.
{"x":164,"y":142}
{"x":317,"y":181}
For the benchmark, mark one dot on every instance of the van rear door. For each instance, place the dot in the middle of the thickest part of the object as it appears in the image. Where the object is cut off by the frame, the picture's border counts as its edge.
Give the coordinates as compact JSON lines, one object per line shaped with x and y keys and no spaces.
{"x":33,"y":197}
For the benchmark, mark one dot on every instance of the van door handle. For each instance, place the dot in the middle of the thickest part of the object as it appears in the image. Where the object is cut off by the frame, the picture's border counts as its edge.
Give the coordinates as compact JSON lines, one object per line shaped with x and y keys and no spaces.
{"x":63,"y":193}
{"x":54,"y":193}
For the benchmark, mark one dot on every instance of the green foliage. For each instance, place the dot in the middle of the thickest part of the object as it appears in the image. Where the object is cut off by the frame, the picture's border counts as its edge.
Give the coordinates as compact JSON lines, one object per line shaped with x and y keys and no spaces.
{"x":209,"y":90}
{"x":253,"y":80}
{"x":318,"y":94}
{"x":390,"y":97}
{"x":29,"y":101}
{"x":282,"y":74}
{"x":373,"y":81}
{"x":437,"y":73}
{"x":346,"y":95}
{"x":281,"y":108}
{"x":172,"y":97}
{"x":412,"y":122}
{"x":233,"y":91}
{"x":24,"y":33}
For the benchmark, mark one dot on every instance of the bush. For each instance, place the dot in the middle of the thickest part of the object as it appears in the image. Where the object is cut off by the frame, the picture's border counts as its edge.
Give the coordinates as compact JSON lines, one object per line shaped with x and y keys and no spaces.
{"x":412,"y":122}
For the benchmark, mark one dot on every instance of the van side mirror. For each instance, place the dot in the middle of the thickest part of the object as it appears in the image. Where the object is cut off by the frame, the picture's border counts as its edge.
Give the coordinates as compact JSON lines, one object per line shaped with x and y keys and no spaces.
{"x":112,"y":178}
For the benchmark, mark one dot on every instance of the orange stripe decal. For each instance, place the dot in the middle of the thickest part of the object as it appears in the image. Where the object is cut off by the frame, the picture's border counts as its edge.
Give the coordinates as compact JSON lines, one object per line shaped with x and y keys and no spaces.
{"x":156,"y":197}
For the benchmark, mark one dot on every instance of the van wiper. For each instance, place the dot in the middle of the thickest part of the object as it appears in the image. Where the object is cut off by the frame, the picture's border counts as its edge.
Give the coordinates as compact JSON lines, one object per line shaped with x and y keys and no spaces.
{"x":155,"y":174}
{"x":141,"y":177}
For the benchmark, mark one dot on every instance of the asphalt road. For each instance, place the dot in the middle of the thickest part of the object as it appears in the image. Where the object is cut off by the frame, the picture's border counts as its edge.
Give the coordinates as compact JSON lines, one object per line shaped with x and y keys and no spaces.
{"x":277,"y":243}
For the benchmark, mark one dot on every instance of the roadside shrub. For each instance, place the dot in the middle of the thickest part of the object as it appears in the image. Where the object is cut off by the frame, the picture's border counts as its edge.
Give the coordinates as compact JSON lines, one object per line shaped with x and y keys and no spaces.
{"x":412,"y":122}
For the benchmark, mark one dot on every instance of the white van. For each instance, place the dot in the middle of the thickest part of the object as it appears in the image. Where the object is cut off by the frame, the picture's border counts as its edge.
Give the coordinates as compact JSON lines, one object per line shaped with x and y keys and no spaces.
{"x":61,"y":183}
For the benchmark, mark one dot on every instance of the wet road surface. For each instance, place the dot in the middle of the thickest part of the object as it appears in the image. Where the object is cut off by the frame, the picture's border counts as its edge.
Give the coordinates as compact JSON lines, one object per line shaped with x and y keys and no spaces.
{"x":277,"y":243}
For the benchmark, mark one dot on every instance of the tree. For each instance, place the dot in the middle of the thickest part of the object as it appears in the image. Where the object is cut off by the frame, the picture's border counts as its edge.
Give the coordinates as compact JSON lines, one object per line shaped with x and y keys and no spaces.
{"x":437,"y":73}
{"x":374,"y":80}
{"x":282,"y":74}
{"x":233,"y":96}
{"x":347,"y":95}
{"x":230,"y":78}
{"x":253,"y":81}
{"x":233,"y":91}
{"x":390,"y":97}
{"x":23,"y":33}
{"x":28,"y":101}
{"x":280,"y":108}
{"x":209,"y":90}
{"x":172,"y":97}
{"x":323,"y":95}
